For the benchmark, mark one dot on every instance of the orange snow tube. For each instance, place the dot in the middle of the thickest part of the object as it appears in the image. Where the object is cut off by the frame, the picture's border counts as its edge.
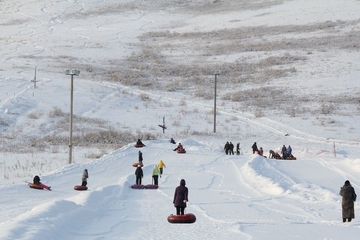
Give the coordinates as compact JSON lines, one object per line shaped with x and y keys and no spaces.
{"x":36,"y":186}
{"x":80,"y":188}
{"x":186,"y":218}
{"x":181,"y":150}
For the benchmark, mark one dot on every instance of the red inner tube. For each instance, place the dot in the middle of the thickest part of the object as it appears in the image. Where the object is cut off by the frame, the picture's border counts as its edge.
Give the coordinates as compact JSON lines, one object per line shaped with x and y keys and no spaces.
{"x":151,"y":186}
{"x":36,"y":186}
{"x":81,"y":188}
{"x":181,"y":151}
{"x":187,"y":218}
{"x":137,"y":186}
{"x":136,"y":164}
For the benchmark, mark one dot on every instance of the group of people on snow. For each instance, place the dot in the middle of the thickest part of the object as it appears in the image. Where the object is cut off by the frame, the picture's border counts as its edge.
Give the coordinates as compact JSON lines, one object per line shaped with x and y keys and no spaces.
{"x":156,"y":173}
{"x":181,"y":192}
{"x":286,"y":153}
{"x":229,"y":148}
{"x":84,"y":177}
{"x":257,"y":150}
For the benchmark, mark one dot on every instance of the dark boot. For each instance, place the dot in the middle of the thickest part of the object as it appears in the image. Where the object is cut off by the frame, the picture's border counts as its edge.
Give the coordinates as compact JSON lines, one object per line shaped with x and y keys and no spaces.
{"x":344,"y":219}
{"x":349,"y":219}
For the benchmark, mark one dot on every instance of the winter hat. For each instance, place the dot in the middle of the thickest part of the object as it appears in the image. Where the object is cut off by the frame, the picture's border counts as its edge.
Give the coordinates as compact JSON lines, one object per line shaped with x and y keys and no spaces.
{"x":347,"y":182}
{"x":182,"y":182}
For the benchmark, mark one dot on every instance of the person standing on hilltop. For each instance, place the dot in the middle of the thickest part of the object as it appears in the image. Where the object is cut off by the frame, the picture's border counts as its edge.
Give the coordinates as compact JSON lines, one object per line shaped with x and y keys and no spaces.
{"x":254,"y":148}
{"x":231,"y":148}
{"x":227,"y":147}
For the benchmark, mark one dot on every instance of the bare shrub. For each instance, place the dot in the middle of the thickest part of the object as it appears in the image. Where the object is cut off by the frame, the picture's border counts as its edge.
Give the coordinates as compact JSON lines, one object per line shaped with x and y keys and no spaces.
{"x":183,"y":103}
{"x":167,"y":104}
{"x":326,"y":108}
{"x":144,"y":97}
{"x":56,"y":112}
{"x":176,"y":123}
{"x":259,"y":112}
{"x":3,"y":122}
{"x":34,"y":115}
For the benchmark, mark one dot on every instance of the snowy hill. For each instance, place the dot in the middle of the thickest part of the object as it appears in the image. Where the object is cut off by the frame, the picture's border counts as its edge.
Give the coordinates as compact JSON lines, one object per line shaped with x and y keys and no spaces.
{"x":289,"y":76}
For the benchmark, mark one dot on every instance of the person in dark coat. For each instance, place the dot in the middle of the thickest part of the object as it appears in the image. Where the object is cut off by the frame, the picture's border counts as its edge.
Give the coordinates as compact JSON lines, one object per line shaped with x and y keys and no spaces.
{"x":238,"y":149}
{"x":139,"y":174}
{"x":172,"y":141}
{"x":36,"y":180}
{"x":231,"y":148}
{"x":254,"y":148}
{"x":284,"y":152}
{"x":348,"y":198}
{"x":139,"y":142}
{"x":84,"y":178}
{"x":140,"y":157}
{"x":181,"y":197}
{"x":227,"y":147}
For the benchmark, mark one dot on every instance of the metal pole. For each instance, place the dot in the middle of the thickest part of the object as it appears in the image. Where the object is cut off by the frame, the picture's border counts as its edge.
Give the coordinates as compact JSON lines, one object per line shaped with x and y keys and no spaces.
{"x":71,"y":118}
{"x":215,"y":105}
{"x":71,"y":73}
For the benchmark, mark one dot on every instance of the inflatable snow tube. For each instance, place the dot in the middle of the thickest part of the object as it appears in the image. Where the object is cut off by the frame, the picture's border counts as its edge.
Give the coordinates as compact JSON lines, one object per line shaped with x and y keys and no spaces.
{"x":181,"y":151}
{"x":135,"y":186}
{"x":187,"y":218}
{"x":36,"y":186}
{"x":139,"y":145}
{"x":80,"y":188}
{"x":137,"y":164}
{"x":151,"y":186}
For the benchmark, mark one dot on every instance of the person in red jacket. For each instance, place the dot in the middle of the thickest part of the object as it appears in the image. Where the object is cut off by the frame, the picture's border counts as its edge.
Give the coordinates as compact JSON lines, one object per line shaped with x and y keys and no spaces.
{"x":181,"y":197}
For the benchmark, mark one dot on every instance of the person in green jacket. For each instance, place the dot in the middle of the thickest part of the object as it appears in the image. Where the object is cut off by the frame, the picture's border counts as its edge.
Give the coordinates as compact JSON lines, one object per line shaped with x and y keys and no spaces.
{"x":155,"y":175}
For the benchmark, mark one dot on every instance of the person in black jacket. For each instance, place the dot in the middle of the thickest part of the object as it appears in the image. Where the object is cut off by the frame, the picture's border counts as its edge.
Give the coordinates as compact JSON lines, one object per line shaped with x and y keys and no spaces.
{"x":227,"y":147}
{"x":238,"y":149}
{"x":255,"y":148}
{"x":36,"y":180}
{"x":231,"y":148}
{"x":139,"y":174}
{"x":140,"y":157}
{"x":181,"y":197}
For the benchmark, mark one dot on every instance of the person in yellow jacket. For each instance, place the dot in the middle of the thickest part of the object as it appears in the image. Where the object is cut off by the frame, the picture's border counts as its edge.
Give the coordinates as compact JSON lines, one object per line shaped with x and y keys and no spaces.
{"x":161,"y":165}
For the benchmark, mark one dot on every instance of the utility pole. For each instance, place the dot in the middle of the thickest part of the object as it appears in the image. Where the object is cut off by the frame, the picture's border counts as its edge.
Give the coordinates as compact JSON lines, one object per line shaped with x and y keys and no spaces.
{"x":72,"y":73}
{"x":216,"y":73}
{"x":34,"y":80}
